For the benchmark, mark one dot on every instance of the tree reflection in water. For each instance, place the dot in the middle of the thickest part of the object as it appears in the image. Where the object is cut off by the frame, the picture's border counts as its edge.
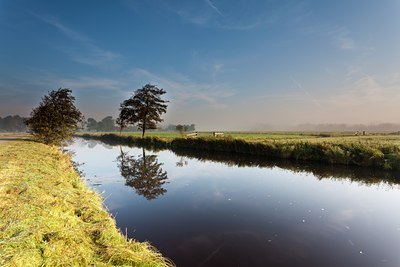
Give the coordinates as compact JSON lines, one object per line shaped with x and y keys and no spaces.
{"x":143,"y":173}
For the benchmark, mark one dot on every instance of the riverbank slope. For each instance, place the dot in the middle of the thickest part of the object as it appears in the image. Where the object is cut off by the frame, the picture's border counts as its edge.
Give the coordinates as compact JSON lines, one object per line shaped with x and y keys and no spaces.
{"x":48,"y":217}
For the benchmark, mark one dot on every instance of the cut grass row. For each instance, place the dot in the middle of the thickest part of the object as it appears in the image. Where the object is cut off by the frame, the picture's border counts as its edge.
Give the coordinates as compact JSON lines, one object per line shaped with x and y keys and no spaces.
{"x":380,"y":151}
{"x":48,"y":217}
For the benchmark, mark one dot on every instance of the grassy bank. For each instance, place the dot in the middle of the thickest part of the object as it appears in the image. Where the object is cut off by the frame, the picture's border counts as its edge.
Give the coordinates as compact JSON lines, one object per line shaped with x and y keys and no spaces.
{"x":378,"y":151}
{"x":48,"y":217}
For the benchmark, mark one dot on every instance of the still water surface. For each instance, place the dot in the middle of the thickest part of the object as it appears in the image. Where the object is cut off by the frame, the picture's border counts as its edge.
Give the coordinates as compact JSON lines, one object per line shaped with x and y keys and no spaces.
{"x":224,"y":210}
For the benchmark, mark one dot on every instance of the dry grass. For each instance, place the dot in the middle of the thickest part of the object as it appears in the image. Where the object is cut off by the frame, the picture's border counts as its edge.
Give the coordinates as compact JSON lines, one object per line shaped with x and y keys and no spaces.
{"x":48,"y":217}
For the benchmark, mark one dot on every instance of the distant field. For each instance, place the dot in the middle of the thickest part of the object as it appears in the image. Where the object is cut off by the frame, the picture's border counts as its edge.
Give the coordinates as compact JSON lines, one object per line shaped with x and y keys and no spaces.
{"x":13,"y":136}
{"x":314,"y":137}
{"x":380,"y":150}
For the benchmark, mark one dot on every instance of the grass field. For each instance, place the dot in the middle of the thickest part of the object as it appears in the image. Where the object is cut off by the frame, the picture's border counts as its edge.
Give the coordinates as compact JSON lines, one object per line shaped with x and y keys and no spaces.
{"x":381,"y":150}
{"x":48,"y":217}
{"x":313,"y":137}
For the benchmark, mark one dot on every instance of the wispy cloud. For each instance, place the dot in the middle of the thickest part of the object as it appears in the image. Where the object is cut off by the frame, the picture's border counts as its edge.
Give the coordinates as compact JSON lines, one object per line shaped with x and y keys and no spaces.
{"x":366,"y":91}
{"x":364,"y":98}
{"x":50,"y":81}
{"x":311,"y":97}
{"x":242,"y":27}
{"x":207,"y":14}
{"x":198,"y":19}
{"x":367,"y":99}
{"x":298,"y":85}
{"x":184,"y":91}
{"x":338,"y":36}
{"x":11,"y":90}
{"x":353,"y":71}
{"x":212,"y":66}
{"x":216,"y":69}
{"x":96,"y":56}
{"x":211,"y":4}
{"x":299,"y":94}
{"x":94,"y":83}
{"x":53,"y":21}
{"x":341,"y":38}
{"x":373,"y":85}
{"x":181,"y":90}
{"x":87,"y":51}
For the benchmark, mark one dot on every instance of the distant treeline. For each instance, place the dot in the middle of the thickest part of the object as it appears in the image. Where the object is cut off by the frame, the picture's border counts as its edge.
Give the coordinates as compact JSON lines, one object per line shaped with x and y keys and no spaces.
{"x":14,"y":123}
{"x":108,"y":125}
{"x":105,"y":125}
{"x":179,"y":128}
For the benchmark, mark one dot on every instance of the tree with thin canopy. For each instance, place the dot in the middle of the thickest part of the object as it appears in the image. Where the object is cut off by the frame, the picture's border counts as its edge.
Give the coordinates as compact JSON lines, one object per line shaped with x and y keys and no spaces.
{"x":143,"y":109}
{"x":56,"y":118}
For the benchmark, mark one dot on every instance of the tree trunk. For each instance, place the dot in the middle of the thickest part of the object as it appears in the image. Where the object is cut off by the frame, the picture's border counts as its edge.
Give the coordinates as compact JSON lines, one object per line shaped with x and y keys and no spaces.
{"x":144,"y":160}
{"x":144,"y":126}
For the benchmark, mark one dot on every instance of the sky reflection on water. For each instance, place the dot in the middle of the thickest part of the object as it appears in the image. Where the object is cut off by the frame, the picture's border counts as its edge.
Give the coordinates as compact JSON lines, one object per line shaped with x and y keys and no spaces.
{"x":212,"y":214}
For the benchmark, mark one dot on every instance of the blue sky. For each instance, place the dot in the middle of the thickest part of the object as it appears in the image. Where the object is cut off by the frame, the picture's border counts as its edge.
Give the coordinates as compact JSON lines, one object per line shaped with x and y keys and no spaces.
{"x":225,"y":64}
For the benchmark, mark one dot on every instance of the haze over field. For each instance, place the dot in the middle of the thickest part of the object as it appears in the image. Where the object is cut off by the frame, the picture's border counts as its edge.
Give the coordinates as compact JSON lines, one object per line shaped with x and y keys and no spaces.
{"x":228,"y":65}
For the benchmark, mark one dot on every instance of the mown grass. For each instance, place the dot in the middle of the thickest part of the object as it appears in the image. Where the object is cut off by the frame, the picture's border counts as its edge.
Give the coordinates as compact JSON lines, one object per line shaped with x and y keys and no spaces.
{"x":48,"y":217}
{"x":380,"y":150}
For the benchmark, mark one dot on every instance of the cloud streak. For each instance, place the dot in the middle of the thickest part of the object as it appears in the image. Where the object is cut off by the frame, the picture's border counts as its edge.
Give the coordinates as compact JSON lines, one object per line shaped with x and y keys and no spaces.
{"x":339,"y":36}
{"x":200,"y":20}
{"x":50,"y":81}
{"x":210,"y":4}
{"x":95,"y":83}
{"x":185,"y":91}
{"x":209,"y":15}
{"x":313,"y":99}
{"x":88,"y":52}
{"x":341,"y":39}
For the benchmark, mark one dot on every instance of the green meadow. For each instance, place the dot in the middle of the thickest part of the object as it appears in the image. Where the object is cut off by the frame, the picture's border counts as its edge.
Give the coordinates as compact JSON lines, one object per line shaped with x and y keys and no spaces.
{"x":377,"y":137}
